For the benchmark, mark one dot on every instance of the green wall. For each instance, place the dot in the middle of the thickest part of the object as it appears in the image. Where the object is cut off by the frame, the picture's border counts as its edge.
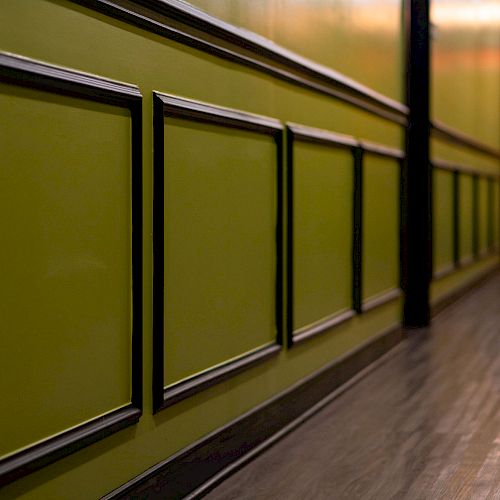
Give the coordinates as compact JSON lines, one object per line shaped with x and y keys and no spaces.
{"x":220,"y":203}
{"x":363,"y":40}
{"x":66,"y":280}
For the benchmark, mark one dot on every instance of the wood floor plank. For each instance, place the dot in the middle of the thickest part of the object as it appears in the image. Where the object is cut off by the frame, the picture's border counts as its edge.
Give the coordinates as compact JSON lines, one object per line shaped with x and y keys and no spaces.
{"x":424,"y":425}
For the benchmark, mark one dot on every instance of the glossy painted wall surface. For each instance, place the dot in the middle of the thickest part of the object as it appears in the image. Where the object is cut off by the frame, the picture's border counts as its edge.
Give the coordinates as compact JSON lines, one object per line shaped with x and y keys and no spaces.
{"x":466,"y":66}
{"x":219,"y":224}
{"x":230,"y":198}
{"x":322,"y":232}
{"x":362,"y":39}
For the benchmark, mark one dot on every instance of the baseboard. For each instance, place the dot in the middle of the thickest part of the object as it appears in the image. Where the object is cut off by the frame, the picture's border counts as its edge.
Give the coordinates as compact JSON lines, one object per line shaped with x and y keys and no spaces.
{"x":195,"y":470}
{"x":451,"y":297}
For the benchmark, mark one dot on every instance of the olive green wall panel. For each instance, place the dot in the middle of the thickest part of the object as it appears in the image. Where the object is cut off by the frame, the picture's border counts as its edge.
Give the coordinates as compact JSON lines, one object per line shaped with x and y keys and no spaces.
{"x":463,"y":156}
{"x":483,"y":216}
{"x":66,"y":292}
{"x":220,"y":245}
{"x":323,"y":180}
{"x":380,"y":225}
{"x":466,"y":217}
{"x":67,"y":34}
{"x":363,"y":40}
{"x":466,"y":67}
{"x":443,"y":220}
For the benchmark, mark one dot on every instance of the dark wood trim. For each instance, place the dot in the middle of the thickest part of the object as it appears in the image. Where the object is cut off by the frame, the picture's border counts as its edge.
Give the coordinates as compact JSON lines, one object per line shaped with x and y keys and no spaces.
{"x":451,"y":298}
{"x":169,"y":106}
{"x":290,"y":296}
{"x":302,"y":133}
{"x":21,"y":71}
{"x":42,"y":454}
{"x":381,"y":150}
{"x":197,"y":469}
{"x":417,"y":223}
{"x":357,"y":231}
{"x":188,"y":109}
{"x":185,"y":388}
{"x":447,"y":133}
{"x":322,"y":325}
{"x":183,"y":23}
{"x":320,"y":136}
{"x":25,"y":72}
{"x":381,"y":299}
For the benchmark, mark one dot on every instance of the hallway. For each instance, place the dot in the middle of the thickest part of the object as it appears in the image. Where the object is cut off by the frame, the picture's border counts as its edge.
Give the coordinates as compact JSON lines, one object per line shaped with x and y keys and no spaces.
{"x":423,"y":425}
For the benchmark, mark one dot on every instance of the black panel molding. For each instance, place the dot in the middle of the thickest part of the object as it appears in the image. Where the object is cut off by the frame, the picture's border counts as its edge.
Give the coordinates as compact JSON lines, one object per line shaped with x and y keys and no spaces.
{"x":358,"y":149}
{"x":21,"y":71}
{"x":322,"y":325}
{"x":381,"y":150}
{"x":197,"y":469}
{"x":301,"y":133}
{"x":183,"y":23}
{"x":169,"y":106}
{"x":381,"y":299}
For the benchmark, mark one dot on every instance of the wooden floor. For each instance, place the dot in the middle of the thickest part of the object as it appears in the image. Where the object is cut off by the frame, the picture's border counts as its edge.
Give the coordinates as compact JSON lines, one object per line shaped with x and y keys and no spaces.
{"x":423,"y":425}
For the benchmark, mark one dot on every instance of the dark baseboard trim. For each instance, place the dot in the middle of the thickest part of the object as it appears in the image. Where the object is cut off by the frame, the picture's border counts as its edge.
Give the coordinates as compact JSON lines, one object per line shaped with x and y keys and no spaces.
{"x":451,"y":297}
{"x":380,"y":300}
{"x":322,"y":325}
{"x":197,"y":469}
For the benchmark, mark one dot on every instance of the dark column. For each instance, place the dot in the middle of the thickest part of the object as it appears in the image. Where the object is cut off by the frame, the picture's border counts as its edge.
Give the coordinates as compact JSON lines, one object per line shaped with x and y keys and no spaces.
{"x":417,"y":250}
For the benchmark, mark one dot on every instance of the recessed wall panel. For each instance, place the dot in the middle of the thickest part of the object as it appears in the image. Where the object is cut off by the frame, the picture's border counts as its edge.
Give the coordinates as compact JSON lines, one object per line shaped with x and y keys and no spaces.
{"x":442,"y":219}
{"x":219,"y":245}
{"x":380,"y":225}
{"x":466,"y":216}
{"x":66,"y":288}
{"x":482,"y":214}
{"x":323,"y":179}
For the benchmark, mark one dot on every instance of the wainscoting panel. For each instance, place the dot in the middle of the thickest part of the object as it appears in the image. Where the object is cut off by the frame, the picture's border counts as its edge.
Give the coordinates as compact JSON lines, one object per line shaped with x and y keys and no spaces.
{"x":70,"y":295}
{"x":443,"y":221}
{"x":217,"y":239}
{"x":466,"y":217}
{"x":381,"y":223}
{"x":322,"y":176}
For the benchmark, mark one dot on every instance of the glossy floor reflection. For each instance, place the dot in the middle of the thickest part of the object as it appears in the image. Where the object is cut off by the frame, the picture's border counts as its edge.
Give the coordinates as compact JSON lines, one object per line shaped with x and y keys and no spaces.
{"x":424,"y":425}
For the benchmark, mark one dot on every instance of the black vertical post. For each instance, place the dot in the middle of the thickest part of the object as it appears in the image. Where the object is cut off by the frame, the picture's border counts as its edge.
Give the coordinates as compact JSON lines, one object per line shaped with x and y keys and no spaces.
{"x":417,"y":214}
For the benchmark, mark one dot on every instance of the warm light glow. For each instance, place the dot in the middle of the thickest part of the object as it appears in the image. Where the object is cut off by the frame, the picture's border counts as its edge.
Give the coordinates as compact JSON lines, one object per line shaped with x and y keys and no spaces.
{"x":465,"y":13}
